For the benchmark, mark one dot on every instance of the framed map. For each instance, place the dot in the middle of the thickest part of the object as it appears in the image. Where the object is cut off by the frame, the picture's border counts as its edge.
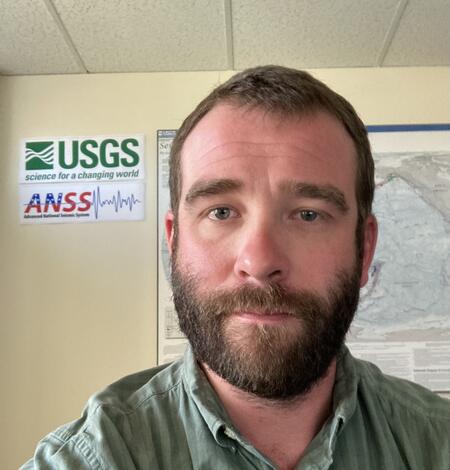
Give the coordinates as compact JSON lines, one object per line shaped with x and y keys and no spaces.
{"x":403,"y":321}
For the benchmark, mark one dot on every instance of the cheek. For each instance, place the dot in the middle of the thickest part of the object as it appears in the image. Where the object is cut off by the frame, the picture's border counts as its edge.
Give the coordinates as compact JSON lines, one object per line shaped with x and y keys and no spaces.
{"x":315,"y":265}
{"x":206,"y":259}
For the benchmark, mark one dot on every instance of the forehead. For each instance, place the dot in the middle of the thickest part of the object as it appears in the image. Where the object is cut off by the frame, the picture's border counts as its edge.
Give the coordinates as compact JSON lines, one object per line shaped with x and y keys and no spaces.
{"x":249,"y":143}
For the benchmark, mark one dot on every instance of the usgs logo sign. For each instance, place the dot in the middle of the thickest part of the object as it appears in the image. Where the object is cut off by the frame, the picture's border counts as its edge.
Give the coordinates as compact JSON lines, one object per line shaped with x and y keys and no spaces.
{"x":83,"y":159}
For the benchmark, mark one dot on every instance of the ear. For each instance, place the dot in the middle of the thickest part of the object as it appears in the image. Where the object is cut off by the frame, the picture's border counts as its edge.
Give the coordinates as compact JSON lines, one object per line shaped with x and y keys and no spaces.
{"x":170,"y":227}
{"x":370,"y":233}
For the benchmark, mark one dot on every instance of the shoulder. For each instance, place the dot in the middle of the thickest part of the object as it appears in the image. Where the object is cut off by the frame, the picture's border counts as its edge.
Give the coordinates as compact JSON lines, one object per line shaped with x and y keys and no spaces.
{"x":403,"y":421}
{"x":402,"y":397}
{"x":129,"y":394}
{"x":109,"y":421}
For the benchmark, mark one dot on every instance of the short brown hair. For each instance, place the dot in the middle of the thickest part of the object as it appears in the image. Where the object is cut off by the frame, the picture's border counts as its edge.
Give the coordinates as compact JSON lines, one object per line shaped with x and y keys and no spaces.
{"x":287,"y":92}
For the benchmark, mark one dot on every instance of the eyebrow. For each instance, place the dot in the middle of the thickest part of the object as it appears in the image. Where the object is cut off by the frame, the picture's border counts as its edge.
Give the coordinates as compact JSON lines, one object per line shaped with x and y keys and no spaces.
{"x":212,"y":187}
{"x":219,"y":186}
{"x":327,"y":193}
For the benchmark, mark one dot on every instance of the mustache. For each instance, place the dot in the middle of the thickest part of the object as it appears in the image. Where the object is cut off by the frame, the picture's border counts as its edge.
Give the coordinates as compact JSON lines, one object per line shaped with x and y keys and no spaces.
{"x":270,"y":300}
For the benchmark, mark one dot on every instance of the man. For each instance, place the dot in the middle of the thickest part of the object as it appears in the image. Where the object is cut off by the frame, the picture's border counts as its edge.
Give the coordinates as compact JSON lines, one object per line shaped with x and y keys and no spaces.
{"x":271,"y":236}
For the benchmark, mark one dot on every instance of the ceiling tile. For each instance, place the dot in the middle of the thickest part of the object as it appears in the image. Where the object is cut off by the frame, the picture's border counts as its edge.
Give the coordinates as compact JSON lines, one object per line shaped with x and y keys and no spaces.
{"x":423,"y":35}
{"x":143,"y":35}
{"x":30,"y":41}
{"x":310,"y":34}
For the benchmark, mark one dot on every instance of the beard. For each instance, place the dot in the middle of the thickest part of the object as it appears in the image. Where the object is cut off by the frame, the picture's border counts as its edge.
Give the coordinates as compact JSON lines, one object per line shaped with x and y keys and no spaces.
{"x":279,"y":361}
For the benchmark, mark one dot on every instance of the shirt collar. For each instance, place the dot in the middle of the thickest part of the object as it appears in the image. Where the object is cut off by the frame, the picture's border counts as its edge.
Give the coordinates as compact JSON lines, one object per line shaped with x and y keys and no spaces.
{"x":345,"y":386}
{"x":206,"y":400}
{"x":221,"y":427}
{"x":320,"y":450}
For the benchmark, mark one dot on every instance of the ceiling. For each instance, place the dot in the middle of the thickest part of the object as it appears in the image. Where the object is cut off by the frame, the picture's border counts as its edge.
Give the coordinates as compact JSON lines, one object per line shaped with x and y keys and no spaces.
{"x":100,"y":36}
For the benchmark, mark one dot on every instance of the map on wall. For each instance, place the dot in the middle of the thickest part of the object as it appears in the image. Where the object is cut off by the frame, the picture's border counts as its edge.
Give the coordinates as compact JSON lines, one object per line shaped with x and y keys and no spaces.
{"x":403,"y":320}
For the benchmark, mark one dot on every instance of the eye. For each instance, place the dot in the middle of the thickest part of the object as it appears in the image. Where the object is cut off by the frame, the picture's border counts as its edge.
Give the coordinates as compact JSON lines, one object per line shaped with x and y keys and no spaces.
{"x":221,"y":213}
{"x":308,"y":215}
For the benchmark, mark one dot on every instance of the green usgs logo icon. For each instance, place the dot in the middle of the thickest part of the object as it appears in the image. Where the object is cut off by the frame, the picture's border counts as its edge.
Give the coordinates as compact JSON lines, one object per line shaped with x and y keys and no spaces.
{"x":39,"y":155}
{"x":88,"y":153}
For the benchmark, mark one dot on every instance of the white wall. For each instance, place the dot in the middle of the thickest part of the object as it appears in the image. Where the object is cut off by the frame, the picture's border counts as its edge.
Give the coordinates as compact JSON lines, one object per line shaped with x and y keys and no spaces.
{"x":78,"y":302}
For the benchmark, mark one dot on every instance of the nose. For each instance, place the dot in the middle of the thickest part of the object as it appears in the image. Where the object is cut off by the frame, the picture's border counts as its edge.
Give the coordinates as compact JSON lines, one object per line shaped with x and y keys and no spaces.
{"x":262,"y":256}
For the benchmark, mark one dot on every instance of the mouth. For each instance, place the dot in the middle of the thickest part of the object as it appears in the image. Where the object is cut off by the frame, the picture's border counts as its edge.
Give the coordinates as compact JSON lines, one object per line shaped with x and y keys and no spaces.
{"x":267,"y":318}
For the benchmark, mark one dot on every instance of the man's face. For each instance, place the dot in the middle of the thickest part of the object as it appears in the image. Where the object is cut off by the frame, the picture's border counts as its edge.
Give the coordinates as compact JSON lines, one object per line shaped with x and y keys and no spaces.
{"x":265,"y":272}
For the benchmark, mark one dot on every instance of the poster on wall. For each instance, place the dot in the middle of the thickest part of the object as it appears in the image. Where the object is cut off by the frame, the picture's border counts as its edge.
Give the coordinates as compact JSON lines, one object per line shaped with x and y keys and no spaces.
{"x":403,"y":320}
{"x":402,"y":323}
{"x":171,"y":342}
{"x":81,"y":179}
{"x":94,"y":202}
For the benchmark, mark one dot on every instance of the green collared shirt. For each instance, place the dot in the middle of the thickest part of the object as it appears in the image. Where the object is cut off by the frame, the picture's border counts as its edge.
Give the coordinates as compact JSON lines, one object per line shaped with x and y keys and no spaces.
{"x":170,"y":418}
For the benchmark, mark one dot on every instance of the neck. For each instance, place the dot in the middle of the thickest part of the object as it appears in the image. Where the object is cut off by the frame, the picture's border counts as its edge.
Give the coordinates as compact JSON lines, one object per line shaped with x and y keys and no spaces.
{"x":280,"y":429}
